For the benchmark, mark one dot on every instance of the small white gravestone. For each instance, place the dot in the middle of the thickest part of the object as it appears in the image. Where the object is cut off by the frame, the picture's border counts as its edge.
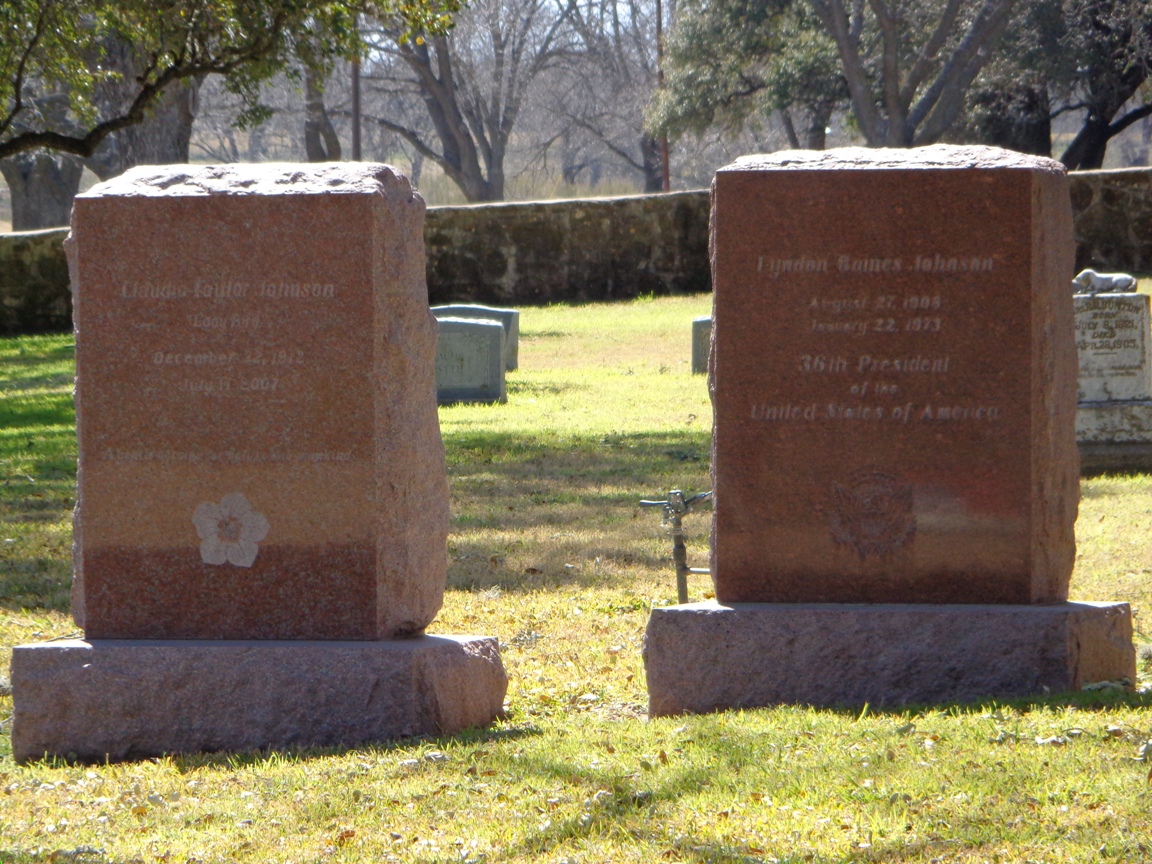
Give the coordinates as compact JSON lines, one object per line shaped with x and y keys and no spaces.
{"x":701,"y":337}
{"x":509,"y":318}
{"x":1112,"y":340}
{"x":470,"y":361}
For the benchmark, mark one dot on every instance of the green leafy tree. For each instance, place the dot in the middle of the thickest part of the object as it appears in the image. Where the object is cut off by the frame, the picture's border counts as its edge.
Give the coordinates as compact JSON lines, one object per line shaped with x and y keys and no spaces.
{"x":903,"y":66}
{"x":1102,"y":62}
{"x":53,"y":69}
{"x":730,"y":61}
{"x":1009,"y":104}
{"x":1085,"y":58}
{"x":909,"y":63}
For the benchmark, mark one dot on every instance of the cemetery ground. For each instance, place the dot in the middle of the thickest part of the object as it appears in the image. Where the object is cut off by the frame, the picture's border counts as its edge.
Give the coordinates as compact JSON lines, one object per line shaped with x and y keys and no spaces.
{"x":550,"y":552}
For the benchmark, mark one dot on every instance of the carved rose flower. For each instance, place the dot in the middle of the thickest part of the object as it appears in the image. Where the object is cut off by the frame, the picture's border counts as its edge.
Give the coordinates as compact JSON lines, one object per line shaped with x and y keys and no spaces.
{"x":230,"y":531}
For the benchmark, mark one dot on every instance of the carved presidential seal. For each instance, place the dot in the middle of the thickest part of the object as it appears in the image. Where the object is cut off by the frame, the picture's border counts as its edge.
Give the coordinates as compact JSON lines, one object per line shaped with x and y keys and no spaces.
{"x":871,"y":512}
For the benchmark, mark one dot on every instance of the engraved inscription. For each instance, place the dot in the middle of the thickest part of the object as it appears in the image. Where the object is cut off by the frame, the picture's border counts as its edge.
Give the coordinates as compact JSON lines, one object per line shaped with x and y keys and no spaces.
{"x":228,"y":290}
{"x":463,"y":360}
{"x":928,"y":262}
{"x":880,"y":386}
{"x":832,"y":308}
{"x":1112,"y":340}
{"x":240,"y":321}
{"x":1108,"y":326}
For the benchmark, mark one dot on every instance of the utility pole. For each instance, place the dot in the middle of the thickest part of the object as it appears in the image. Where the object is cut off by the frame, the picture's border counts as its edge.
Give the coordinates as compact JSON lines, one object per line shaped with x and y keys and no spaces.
{"x":356,"y":155}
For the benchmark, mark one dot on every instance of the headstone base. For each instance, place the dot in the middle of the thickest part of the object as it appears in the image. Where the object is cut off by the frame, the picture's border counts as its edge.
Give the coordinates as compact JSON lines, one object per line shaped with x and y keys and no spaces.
{"x":703,"y":657}
{"x":130,"y":699}
{"x":1114,"y":422}
{"x":1120,"y":458}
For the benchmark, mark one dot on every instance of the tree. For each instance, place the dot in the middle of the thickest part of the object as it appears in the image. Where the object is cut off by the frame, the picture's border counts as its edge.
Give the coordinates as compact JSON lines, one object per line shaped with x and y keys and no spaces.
{"x":909,"y":63}
{"x":733,"y":60}
{"x":472,"y":83}
{"x":42,"y":186}
{"x":320,"y":140}
{"x":600,"y":94}
{"x":1088,"y":58}
{"x":1111,"y":44}
{"x":162,"y":136}
{"x":56,"y":49}
{"x":1010,"y":104}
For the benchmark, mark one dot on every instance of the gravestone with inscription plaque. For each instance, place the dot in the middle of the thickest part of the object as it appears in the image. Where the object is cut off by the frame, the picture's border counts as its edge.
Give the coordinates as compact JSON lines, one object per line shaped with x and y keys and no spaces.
{"x":1114,"y":417}
{"x":262,"y":502}
{"x":470,"y":361}
{"x":895,"y":472}
{"x":508,"y":318}
{"x":1112,"y":342}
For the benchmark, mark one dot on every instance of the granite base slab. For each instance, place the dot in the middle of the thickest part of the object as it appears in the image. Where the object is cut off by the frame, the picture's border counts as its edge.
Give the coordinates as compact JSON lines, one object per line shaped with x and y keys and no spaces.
{"x":129,"y":699}
{"x":703,"y":657}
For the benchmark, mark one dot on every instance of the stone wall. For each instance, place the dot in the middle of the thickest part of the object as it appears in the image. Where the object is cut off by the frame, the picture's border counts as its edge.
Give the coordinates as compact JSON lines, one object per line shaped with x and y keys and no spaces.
{"x":34,"y":295}
{"x":586,"y":249}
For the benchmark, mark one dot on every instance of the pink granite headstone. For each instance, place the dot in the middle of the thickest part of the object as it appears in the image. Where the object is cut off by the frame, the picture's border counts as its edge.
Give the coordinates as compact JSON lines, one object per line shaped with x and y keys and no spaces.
{"x":260,"y":456}
{"x":894,"y":462}
{"x":894,"y":378}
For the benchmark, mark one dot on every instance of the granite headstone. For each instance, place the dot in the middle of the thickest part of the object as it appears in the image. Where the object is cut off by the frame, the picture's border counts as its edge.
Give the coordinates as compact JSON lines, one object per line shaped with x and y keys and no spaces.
{"x":701,"y":342}
{"x":510,"y":318}
{"x":470,"y":361}
{"x":895,"y":403}
{"x":894,"y":465}
{"x":1112,"y":340}
{"x":262,"y":498}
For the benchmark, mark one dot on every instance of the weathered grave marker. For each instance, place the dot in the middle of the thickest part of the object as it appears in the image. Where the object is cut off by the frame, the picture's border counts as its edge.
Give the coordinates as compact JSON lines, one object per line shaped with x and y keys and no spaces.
{"x":470,"y":361}
{"x":259,"y":459}
{"x":510,"y":318}
{"x":1112,"y":342}
{"x":1114,"y":417}
{"x":701,"y":340}
{"x":894,"y":409}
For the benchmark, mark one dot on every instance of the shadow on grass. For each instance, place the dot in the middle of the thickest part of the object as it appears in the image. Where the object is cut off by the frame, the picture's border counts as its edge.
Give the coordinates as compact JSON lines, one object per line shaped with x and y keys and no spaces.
{"x":63,"y":855}
{"x":566,"y":506}
{"x":1083,"y":700}
{"x":1103,"y":699}
{"x":235,"y":760}
{"x":35,"y":583}
{"x":600,"y":472}
{"x":630,"y":799}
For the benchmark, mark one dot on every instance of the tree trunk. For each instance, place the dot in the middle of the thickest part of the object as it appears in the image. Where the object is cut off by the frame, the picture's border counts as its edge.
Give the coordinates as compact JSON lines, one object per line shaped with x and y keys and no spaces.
{"x":42,"y":187}
{"x":257,"y":149}
{"x":653,"y":167}
{"x":1017,"y":118}
{"x":1088,"y":148}
{"x":819,"y":116}
{"x":161,"y":139}
{"x":320,"y":140}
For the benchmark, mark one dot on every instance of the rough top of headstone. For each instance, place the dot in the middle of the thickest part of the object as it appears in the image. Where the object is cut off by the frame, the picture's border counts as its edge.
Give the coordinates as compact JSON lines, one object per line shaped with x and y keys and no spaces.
{"x":267,"y":178}
{"x":936,"y":156}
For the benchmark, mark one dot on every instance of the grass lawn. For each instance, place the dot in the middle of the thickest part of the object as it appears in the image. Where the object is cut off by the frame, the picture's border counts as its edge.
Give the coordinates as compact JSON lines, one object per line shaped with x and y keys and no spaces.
{"x":550,"y":552}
